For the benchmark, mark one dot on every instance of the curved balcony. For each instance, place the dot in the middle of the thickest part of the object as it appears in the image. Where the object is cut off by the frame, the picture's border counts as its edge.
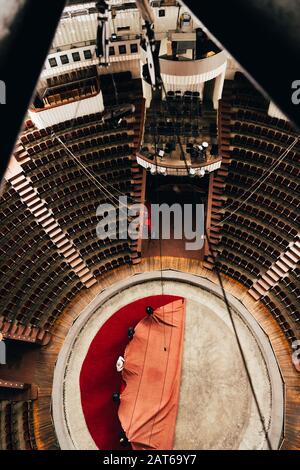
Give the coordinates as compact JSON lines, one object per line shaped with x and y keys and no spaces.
{"x":60,"y":105}
{"x":203,"y":69}
{"x":176,"y":167}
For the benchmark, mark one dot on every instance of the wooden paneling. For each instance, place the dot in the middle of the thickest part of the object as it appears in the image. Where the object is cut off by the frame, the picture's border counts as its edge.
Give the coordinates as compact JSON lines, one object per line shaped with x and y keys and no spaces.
{"x":44,"y":430}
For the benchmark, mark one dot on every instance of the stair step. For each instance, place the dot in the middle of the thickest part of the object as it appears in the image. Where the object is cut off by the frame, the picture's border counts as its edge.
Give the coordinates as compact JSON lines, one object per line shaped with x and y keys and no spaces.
{"x":264,"y":284}
{"x":66,"y":247}
{"x":41,"y":211}
{"x":270,"y":277}
{"x":87,"y":277}
{"x":54,"y":225}
{"x":32,"y":202}
{"x":90,"y":283}
{"x":290,"y":255}
{"x":49,"y":226}
{"x":17,"y":179}
{"x":260,"y":289}
{"x":21,"y":185}
{"x":77,"y":263}
{"x":69,"y":252}
{"x":208,"y":265}
{"x":278,"y":271}
{"x":254,"y":294}
{"x":72,"y":257}
{"x":81,"y":272}
{"x":296,"y":251}
{"x":55,"y":233}
{"x":63,"y":244}
{"x":59,"y":238}
{"x":283,"y":265}
{"x":26,"y":192}
{"x":23,"y":158}
{"x":36,"y":206}
{"x":46,"y":216}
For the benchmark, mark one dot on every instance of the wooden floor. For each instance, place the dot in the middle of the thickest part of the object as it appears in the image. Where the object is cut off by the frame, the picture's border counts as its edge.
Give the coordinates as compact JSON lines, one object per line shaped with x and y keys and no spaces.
{"x":43,"y":376}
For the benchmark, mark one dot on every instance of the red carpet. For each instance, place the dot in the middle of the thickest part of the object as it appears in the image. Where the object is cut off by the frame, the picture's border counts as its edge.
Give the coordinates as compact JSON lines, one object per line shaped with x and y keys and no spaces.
{"x":99,"y":377}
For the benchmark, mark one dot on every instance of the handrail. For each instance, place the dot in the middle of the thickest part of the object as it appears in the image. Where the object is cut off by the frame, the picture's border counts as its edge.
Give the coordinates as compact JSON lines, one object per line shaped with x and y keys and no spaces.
{"x":192,"y":67}
{"x":56,"y":105}
{"x":180,"y":167}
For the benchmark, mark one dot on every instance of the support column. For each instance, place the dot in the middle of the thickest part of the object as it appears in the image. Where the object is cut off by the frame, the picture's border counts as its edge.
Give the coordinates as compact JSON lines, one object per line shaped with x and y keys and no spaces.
{"x":218,"y":91}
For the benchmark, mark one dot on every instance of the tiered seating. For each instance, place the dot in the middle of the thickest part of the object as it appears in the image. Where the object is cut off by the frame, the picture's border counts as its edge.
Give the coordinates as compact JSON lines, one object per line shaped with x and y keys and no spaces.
{"x":38,"y":280}
{"x":16,"y":426}
{"x":283,"y":300}
{"x":119,"y":88}
{"x":286,"y":220}
{"x":68,"y":94}
{"x":26,"y":254}
{"x":251,"y":236}
{"x":69,"y":87}
{"x":106,"y":152}
{"x":72,"y":76}
{"x":179,"y":114}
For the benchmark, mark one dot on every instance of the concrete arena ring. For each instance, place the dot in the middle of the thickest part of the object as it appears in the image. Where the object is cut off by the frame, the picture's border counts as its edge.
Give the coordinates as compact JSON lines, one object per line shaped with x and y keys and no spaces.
{"x":213,"y":368}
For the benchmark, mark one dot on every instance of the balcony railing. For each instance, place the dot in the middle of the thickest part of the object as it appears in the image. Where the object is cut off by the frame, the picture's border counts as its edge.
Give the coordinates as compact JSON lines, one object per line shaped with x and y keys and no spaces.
{"x":60,"y":95}
{"x":186,"y":68}
{"x":179,"y":168}
{"x":164,"y":3}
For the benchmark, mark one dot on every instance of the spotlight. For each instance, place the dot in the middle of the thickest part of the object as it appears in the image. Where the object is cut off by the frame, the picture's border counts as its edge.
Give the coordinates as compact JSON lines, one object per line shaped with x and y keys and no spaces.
{"x":113,"y":37}
{"x":162,"y":171}
{"x":149,"y":310}
{"x":131,"y":332}
{"x":116,"y":397}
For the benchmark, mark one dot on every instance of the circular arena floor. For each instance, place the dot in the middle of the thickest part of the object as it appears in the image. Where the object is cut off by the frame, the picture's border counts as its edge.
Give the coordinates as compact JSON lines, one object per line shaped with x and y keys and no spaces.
{"x":217,"y":409}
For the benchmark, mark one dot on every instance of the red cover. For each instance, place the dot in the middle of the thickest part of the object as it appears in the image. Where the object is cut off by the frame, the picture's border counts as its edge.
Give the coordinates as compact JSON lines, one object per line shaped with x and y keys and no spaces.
{"x":152,"y":373}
